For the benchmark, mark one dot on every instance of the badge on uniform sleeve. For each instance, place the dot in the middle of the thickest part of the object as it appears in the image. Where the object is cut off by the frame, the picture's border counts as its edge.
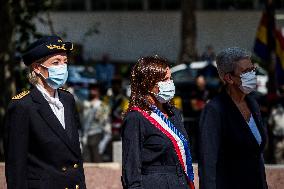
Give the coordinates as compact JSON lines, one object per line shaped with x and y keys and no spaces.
{"x":21,"y":95}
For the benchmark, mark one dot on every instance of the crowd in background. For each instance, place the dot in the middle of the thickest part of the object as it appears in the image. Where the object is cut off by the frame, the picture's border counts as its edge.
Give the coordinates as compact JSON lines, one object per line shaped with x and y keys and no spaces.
{"x":107,"y":98}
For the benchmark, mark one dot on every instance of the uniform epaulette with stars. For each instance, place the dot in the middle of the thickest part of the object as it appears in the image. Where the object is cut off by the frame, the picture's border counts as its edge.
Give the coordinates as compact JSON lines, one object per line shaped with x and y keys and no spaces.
{"x":64,"y":90}
{"x":21,"y":95}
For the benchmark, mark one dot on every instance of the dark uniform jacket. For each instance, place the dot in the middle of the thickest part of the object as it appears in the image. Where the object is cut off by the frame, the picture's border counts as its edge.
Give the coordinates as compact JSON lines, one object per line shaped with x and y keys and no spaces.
{"x":149,"y":160}
{"x":230,"y":157}
{"x":39,"y":152}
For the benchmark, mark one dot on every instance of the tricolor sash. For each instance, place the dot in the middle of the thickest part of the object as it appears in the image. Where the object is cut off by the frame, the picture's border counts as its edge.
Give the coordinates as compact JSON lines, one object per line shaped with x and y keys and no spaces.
{"x":180,"y":143}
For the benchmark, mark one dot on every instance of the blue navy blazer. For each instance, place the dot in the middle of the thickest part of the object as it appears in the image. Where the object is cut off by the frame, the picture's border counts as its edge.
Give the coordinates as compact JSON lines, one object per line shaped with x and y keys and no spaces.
{"x":39,"y":153}
{"x":229,"y":155}
{"x":149,"y":160}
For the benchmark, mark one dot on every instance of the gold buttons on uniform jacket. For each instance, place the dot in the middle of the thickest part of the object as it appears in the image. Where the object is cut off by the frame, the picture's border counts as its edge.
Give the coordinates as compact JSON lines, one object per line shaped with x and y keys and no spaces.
{"x":75,"y":166}
{"x":64,"y":169}
{"x":77,"y":187}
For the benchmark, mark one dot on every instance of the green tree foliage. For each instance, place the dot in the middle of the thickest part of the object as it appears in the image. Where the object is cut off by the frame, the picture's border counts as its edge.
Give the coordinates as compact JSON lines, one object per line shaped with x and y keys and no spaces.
{"x":17,"y":29}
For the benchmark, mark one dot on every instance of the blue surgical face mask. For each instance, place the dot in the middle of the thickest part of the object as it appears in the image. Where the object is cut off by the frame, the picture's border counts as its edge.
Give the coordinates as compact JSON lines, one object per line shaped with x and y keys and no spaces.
{"x":166,"y":91}
{"x":57,"y":75}
{"x":249,"y":82}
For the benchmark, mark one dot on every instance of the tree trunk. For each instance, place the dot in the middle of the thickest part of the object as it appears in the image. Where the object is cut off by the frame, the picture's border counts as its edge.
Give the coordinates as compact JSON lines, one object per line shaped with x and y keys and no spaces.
{"x":6,"y":49}
{"x":188,"y":51}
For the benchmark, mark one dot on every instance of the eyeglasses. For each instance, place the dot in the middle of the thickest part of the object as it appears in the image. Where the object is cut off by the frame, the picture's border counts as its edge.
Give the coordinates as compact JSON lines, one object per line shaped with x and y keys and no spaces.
{"x":251,"y":69}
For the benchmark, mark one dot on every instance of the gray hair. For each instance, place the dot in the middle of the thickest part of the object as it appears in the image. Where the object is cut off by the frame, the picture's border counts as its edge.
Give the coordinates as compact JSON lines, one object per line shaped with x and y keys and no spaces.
{"x":228,"y":59}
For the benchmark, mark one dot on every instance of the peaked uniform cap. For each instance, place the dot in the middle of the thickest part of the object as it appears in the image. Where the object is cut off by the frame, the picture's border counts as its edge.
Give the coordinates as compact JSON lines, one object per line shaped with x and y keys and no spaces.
{"x":45,"y":46}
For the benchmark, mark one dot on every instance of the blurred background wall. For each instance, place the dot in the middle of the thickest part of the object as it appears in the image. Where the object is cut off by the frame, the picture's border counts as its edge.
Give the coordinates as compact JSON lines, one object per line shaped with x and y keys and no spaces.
{"x":128,"y":35}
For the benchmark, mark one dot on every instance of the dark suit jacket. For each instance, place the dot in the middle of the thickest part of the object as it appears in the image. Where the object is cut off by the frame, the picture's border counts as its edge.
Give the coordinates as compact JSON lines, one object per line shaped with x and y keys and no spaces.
{"x":39,"y":153}
{"x":149,"y":160}
{"x":230,"y":157}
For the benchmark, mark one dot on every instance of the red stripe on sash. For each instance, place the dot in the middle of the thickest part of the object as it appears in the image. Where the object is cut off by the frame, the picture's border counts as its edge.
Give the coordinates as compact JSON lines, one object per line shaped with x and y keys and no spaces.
{"x":156,"y":124}
{"x":191,"y":184}
{"x":176,"y":147}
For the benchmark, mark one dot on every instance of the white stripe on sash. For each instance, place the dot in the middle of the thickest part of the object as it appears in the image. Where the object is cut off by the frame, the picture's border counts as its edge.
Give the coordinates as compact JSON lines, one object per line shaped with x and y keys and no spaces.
{"x":177,"y":139}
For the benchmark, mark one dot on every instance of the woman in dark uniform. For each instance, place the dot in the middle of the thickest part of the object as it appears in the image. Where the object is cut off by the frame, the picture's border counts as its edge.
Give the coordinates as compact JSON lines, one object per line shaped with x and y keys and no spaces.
{"x":42,"y":149}
{"x":155,"y":147}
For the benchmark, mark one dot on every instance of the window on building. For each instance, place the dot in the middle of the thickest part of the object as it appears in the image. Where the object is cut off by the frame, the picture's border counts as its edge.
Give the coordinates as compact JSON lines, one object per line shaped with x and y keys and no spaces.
{"x":164,"y":4}
{"x":135,"y":5}
{"x":99,"y":5}
{"x":67,"y":5}
{"x":229,"y":4}
{"x":159,"y":5}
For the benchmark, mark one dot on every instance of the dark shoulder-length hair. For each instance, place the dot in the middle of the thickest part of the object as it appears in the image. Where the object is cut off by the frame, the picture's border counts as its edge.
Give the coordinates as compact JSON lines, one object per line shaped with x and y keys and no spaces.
{"x":145,"y":74}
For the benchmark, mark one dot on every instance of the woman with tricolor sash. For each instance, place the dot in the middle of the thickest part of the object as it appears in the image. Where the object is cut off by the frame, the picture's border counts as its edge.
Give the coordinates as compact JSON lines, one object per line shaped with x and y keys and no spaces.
{"x":155,"y":148}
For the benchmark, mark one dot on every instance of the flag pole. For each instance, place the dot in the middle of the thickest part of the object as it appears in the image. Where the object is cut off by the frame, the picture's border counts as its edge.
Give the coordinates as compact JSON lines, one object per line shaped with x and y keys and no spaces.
{"x":270,"y":11}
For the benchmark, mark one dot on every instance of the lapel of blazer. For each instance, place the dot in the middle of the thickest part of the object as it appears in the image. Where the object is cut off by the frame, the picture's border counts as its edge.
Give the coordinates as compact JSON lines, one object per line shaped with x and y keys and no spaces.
{"x":70,"y":122}
{"x":47,"y":114}
{"x":67,"y":114}
{"x":253,"y":106}
{"x":235,"y":113}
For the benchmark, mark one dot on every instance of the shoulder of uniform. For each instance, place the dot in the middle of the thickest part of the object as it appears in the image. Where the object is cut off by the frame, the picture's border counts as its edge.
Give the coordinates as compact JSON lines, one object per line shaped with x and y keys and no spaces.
{"x":62,"y":89}
{"x":21,"y":95}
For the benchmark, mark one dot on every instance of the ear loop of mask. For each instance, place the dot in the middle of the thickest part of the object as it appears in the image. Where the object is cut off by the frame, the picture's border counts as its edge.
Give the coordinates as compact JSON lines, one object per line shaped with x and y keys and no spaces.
{"x":240,"y":83}
{"x":41,"y":73}
{"x":240,"y":77}
{"x":155,"y":95}
{"x":152,"y":93}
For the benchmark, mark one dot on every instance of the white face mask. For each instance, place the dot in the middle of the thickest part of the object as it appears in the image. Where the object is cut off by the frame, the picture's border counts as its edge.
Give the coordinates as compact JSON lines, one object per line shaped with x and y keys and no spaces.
{"x":249,"y":82}
{"x":166,"y":91}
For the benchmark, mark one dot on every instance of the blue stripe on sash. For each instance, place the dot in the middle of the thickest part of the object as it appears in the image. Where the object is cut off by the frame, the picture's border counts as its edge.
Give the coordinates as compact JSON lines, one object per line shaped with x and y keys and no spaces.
{"x":183,"y":139}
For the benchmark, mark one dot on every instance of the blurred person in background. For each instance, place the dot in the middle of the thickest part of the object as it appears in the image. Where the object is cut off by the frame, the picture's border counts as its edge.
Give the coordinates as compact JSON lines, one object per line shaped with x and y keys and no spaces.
{"x":209,"y":54}
{"x":198,"y":99}
{"x":97,"y":126}
{"x":231,"y":134}
{"x":209,"y":72}
{"x":42,"y":147}
{"x":276,"y":122}
{"x":118,"y":102}
{"x":105,"y":71}
{"x":199,"y":96}
{"x":155,"y":151}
